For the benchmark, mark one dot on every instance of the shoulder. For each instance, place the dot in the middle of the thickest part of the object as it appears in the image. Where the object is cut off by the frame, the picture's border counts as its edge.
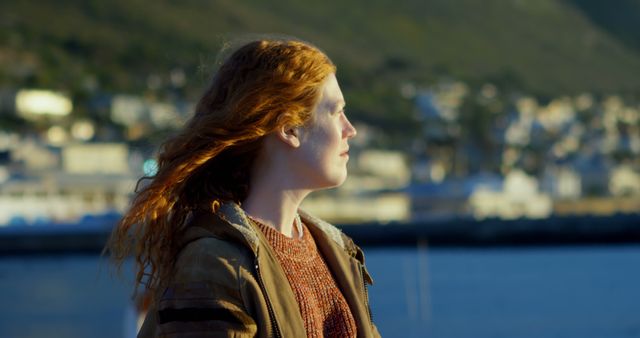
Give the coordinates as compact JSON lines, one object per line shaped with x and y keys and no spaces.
{"x":207,"y":271}
{"x":330,"y":230}
{"x":204,"y":293}
{"x":210,"y":258}
{"x":333,"y":234}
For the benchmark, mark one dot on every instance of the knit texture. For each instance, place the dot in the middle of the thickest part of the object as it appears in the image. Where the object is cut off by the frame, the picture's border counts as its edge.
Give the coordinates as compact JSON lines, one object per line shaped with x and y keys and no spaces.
{"x":323,"y":307}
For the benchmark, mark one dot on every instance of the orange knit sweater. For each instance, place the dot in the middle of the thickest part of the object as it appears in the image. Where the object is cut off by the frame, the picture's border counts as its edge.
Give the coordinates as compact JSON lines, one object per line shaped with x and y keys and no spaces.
{"x":323,"y":307}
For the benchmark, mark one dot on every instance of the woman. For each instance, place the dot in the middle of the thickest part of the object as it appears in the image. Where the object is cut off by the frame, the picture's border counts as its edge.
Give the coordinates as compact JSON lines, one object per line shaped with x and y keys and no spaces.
{"x":218,"y":235}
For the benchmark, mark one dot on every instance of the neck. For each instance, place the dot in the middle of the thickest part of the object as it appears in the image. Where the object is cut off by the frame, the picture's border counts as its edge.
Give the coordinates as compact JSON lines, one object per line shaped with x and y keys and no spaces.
{"x":277,"y":189}
{"x":274,"y":206}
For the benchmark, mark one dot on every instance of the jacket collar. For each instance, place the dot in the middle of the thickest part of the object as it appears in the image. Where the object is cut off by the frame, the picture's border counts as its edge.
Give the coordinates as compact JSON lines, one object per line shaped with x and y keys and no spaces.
{"x":238,"y":227}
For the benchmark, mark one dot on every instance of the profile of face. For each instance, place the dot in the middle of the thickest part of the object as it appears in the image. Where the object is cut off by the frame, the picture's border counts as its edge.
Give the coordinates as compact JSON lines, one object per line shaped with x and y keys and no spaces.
{"x":323,"y":150}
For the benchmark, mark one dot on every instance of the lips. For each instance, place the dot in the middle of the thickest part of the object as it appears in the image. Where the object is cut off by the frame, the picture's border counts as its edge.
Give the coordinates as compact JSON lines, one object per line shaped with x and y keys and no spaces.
{"x":345,"y":153}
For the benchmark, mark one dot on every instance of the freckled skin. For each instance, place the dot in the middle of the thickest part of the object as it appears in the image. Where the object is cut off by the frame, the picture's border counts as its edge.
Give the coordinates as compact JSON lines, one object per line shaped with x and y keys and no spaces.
{"x":324,"y":141}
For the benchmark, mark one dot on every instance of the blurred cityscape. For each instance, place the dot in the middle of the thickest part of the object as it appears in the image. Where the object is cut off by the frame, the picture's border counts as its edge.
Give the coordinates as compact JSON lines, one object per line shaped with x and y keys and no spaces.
{"x":493,"y":137}
{"x":458,"y":117}
{"x":479,"y":154}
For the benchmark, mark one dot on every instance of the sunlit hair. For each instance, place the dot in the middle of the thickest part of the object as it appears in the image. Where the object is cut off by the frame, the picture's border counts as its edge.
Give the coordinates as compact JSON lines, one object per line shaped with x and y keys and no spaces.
{"x":260,"y":87}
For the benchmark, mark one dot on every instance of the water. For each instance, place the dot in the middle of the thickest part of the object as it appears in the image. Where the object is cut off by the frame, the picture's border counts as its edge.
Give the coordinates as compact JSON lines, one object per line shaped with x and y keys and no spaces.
{"x":566,"y":292}
{"x":62,"y":296}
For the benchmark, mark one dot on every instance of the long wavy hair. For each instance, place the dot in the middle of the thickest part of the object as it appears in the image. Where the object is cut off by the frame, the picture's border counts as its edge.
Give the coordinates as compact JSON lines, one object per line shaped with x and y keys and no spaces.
{"x":260,"y":87}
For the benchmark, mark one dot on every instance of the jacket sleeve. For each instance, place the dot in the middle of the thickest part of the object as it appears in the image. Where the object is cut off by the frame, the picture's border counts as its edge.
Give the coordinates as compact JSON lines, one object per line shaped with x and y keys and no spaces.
{"x":203,"y":298}
{"x":376,"y":333}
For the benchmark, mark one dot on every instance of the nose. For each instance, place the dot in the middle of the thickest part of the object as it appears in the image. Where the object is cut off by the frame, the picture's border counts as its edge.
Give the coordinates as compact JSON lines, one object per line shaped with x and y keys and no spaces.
{"x":349,"y":131}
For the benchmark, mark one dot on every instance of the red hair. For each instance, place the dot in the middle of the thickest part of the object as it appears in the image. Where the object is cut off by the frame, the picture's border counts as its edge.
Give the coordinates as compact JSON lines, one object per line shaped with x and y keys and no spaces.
{"x":262,"y":86}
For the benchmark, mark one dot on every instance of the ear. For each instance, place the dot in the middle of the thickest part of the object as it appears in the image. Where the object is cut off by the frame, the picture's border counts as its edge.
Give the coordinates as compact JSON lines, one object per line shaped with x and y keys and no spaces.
{"x":289,"y":135}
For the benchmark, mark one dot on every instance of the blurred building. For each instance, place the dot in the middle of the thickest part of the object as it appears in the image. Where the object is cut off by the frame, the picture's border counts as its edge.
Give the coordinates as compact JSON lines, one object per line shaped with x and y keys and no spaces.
{"x":562,"y":182}
{"x":380,"y":170}
{"x":624,"y":181}
{"x":42,"y":184}
{"x":438,"y":108}
{"x":34,"y":103}
{"x":62,"y":198}
{"x":96,"y":158}
{"x":30,"y":156}
{"x":372,"y":191}
{"x":141,"y":116}
{"x":374,"y":207}
{"x":128,"y":110}
{"x":441,"y":200}
{"x":519,"y":197}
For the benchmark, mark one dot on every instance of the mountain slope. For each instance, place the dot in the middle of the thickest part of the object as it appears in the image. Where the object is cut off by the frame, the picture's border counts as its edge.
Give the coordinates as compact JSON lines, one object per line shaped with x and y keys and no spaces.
{"x":544,"y":47}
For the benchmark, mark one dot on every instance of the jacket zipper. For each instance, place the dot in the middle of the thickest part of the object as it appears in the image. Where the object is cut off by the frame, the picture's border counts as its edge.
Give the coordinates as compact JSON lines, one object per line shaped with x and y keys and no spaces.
{"x":366,"y":294}
{"x":274,"y":324}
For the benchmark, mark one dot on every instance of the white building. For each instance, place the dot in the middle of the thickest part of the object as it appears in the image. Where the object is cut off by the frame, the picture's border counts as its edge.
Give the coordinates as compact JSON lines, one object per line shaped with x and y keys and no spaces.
{"x":562,"y":182}
{"x":128,"y":110}
{"x":35,"y":103}
{"x":369,"y":193}
{"x":519,"y":197}
{"x":60,"y":197}
{"x":96,"y":158}
{"x":624,"y":181}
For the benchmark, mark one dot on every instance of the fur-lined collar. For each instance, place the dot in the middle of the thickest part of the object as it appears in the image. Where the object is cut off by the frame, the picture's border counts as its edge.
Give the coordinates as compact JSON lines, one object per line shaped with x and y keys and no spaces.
{"x":233,"y":214}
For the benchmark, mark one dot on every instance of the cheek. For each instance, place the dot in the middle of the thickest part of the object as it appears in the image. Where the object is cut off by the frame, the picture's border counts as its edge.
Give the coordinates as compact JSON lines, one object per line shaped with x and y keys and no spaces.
{"x":330,"y":143}
{"x":322,"y":139}
{"x":324,"y":143}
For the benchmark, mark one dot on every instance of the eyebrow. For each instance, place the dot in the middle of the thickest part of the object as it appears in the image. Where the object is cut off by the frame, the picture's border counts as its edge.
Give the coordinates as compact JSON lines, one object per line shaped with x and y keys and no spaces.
{"x":337,"y":105}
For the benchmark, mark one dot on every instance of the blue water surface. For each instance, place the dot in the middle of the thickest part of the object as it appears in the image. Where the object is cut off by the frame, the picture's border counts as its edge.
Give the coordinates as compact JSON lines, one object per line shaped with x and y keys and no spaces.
{"x":65,"y":297}
{"x":532,"y":292}
{"x":566,"y":292}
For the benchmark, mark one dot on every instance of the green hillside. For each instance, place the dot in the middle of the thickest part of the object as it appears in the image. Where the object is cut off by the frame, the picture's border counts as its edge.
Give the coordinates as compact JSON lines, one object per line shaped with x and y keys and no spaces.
{"x":543,"y":47}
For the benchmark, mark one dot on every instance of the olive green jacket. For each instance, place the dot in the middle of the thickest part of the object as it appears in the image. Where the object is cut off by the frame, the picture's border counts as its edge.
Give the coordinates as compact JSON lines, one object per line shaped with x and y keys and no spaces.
{"x":228,"y":282}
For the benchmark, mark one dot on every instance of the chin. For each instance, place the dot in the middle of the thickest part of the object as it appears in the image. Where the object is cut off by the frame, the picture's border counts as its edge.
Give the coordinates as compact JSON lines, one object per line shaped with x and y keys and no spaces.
{"x":338,"y":181}
{"x":330,"y":182}
{"x":328,"y":179}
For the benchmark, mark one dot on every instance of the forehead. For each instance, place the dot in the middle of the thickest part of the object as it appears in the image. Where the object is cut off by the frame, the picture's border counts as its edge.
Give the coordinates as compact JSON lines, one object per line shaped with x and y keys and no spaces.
{"x":331,"y":97}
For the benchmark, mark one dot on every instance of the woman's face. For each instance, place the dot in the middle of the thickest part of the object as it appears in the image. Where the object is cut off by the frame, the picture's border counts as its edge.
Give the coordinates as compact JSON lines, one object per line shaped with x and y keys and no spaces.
{"x":323,"y":151}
